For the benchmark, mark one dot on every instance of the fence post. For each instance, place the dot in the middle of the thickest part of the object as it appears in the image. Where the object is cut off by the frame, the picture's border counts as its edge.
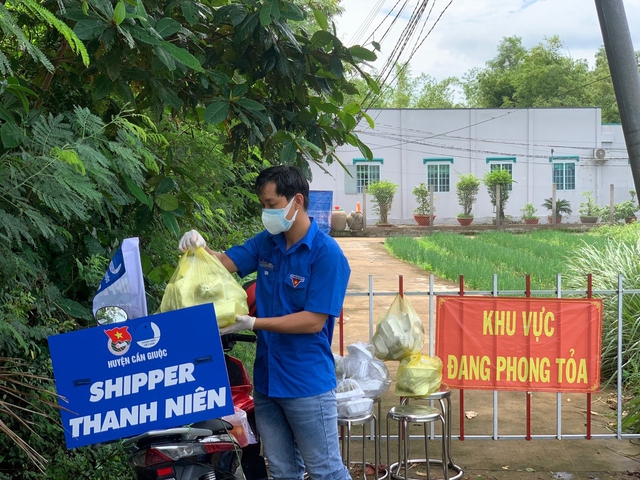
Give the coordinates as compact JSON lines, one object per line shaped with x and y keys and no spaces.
{"x":611,"y":208}
{"x":498,"y":206}
{"x":553,"y":204}
{"x":430,"y":207}
{"x":364,"y":208}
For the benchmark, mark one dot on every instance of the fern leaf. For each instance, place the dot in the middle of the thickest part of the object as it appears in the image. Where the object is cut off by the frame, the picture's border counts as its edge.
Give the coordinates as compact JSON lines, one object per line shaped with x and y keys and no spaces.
{"x":69,"y":156}
{"x":50,"y":132}
{"x":5,"y":66}
{"x":86,"y":124}
{"x":12,"y":29}
{"x":12,"y":230}
{"x":72,"y":39}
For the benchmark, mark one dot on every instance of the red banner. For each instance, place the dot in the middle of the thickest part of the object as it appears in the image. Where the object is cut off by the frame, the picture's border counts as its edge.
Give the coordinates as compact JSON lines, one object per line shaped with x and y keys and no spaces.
{"x":530,"y":344}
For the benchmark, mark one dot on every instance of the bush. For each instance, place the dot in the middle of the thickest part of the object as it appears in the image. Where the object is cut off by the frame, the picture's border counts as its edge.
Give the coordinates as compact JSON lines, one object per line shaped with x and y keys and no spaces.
{"x":467,"y":190}
{"x":492,"y":180}
{"x":422,"y":195}
{"x":562,"y":206}
{"x":383,"y":192}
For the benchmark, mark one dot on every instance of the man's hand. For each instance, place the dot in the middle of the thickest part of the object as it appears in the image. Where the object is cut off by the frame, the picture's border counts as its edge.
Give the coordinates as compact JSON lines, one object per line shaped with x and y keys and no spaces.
{"x":191,"y":240}
{"x":243,"y":322}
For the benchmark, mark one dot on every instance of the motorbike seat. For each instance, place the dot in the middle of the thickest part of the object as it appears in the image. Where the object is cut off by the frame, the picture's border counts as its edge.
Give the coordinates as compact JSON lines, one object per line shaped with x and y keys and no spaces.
{"x":216,"y":425}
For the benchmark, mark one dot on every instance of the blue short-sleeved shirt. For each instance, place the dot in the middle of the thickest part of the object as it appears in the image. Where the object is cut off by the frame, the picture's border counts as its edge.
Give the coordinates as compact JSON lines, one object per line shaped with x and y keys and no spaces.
{"x":313,"y":276}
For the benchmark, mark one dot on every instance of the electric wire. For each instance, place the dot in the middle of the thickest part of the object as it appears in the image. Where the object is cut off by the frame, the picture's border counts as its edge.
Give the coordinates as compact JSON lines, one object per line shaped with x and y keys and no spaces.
{"x":365,"y":23}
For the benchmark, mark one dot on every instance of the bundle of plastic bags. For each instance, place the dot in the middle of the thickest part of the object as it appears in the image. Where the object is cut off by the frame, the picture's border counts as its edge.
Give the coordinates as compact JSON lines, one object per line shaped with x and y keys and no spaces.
{"x":418,"y":376}
{"x":398,"y":332}
{"x":361,"y":365}
{"x":201,"y":278}
{"x":361,"y":378}
{"x":351,"y":400}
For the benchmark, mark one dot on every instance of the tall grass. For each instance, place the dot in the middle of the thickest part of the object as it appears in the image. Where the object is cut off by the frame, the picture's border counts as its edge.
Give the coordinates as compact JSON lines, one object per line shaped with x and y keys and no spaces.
{"x":541,"y":255}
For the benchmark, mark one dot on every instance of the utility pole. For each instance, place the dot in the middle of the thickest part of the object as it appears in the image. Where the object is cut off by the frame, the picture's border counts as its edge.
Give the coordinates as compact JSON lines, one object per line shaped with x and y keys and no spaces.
{"x":624,"y":74}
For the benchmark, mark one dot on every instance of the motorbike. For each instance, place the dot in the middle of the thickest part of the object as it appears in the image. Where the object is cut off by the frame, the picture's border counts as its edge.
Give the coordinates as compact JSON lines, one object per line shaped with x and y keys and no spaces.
{"x":207,"y":450}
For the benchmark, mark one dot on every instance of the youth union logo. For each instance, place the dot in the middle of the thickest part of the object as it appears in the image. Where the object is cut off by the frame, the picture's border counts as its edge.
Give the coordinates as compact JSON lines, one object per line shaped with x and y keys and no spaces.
{"x":119,"y":340}
{"x":147,"y":334}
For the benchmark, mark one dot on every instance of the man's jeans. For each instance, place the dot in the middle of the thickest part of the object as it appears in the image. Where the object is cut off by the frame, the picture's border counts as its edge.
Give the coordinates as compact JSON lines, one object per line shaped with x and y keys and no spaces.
{"x":301,"y":433}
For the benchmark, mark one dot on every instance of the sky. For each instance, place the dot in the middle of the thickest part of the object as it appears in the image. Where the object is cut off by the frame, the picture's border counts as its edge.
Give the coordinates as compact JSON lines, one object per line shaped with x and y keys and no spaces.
{"x":469,"y":31}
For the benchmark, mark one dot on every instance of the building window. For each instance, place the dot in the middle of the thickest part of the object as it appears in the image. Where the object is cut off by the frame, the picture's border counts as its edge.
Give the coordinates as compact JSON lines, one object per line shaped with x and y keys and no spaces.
{"x":439,"y":174}
{"x":361,"y":174}
{"x":508,"y":167}
{"x":564,"y":171}
{"x":564,"y":175}
{"x":366,"y":174}
{"x":502,"y":163}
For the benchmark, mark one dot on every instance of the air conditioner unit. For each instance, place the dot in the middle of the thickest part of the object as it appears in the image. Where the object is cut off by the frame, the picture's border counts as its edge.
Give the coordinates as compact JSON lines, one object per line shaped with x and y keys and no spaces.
{"x":600,"y":155}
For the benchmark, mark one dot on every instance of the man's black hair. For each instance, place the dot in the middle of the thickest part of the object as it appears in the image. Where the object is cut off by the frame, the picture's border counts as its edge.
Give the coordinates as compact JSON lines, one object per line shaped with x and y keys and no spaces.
{"x":289,"y":181}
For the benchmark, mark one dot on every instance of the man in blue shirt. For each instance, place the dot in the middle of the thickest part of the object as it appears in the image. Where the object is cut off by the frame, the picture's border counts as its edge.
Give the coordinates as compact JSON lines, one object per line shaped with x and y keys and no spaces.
{"x":301,"y":284}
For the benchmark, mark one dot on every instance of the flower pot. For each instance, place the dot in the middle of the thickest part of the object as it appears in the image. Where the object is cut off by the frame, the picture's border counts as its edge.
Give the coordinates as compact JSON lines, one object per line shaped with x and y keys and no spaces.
{"x":423,"y":220}
{"x":630,"y":219}
{"x":531,"y":221}
{"x":558,"y":219}
{"x":465,"y":221}
{"x":588,"y":219}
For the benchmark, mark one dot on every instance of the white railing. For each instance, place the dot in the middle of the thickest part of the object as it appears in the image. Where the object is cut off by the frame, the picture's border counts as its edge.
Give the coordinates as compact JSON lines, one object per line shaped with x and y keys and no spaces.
{"x":620,"y":292}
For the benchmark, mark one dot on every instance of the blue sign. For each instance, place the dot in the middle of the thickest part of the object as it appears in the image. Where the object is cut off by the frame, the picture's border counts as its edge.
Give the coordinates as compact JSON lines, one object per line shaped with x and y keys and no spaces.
{"x":154,"y":372}
{"x":320,"y":202}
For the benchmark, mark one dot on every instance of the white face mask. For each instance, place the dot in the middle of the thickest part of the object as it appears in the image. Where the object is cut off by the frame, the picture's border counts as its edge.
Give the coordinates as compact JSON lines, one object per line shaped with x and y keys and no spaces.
{"x":275,"y":219}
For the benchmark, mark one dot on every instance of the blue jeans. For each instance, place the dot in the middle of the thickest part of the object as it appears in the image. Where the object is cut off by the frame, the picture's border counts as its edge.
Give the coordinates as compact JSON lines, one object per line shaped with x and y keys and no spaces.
{"x":300,"y":433}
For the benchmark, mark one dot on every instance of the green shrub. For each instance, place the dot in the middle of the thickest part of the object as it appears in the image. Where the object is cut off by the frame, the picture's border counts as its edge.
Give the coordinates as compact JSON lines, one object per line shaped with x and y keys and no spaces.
{"x":382,"y":192}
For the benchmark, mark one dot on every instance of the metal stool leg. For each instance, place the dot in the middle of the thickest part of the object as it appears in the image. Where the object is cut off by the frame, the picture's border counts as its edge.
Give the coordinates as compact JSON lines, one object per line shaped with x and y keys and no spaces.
{"x":349,"y":446}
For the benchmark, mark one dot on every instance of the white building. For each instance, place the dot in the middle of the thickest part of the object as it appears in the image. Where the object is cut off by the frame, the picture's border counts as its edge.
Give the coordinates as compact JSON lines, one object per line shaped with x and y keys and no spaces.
{"x":538,"y":146}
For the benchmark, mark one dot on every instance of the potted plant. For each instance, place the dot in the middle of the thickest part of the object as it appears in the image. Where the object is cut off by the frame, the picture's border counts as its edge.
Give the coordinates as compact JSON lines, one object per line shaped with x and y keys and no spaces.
{"x":424,"y":211}
{"x":562,"y":207}
{"x":492,"y":180}
{"x":383,"y":192}
{"x":467,"y":190}
{"x":626,"y":210}
{"x":529,"y":214}
{"x":589,"y":210}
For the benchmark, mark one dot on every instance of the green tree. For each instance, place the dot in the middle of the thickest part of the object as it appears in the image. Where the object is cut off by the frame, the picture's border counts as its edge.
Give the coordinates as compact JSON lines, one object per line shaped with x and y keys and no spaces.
{"x":494,"y":179}
{"x":603,"y":92}
{"x":383,"y":193}
{"x":406,"y":91}
{"x":539,"y":77}
{"x":123,"y":119}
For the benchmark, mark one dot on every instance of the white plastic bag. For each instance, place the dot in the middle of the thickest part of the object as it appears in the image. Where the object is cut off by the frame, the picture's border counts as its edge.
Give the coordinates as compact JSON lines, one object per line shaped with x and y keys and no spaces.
{"x":371,"y":373}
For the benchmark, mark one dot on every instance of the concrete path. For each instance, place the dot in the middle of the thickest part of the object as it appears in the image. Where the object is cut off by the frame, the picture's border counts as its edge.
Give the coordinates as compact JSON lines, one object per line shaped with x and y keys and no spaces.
{"x":488,"y":459}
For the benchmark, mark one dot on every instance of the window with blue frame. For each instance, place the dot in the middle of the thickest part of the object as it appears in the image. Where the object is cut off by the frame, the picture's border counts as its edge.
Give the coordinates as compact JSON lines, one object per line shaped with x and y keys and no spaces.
{"x":439,"y":174}
{"x":361,"y":174}
{"x":366,"y":174}
{"x":502,"y":163}
{"x":564,"y":172}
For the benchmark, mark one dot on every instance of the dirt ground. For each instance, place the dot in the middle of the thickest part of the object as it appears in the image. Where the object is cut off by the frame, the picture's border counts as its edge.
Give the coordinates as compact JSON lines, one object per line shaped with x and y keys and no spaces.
{"x":508,"y":459}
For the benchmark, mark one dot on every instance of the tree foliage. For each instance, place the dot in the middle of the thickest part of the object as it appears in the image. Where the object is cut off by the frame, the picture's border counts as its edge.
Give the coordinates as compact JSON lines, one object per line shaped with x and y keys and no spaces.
{"x":123,"y":118}
{"x":540,"y":77}
{"x":492,"y":180}
{"x":406,"y":91}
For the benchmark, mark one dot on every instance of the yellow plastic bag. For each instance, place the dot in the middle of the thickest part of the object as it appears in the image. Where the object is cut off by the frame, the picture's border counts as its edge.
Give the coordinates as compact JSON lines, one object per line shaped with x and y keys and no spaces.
{"x":418,"y":376}
{"x":201,"y":278}
{"x":398,"y":332}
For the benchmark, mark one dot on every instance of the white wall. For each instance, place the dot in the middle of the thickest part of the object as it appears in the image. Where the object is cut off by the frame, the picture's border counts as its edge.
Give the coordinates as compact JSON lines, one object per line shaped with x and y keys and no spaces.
{"x":403,"y":138}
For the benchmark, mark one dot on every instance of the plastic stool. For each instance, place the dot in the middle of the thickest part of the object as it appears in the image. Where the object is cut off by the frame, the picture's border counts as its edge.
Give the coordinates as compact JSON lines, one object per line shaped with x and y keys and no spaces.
{"x":444,"y":399}
{"x":346,"y":444}
{"x":404,"y":415}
